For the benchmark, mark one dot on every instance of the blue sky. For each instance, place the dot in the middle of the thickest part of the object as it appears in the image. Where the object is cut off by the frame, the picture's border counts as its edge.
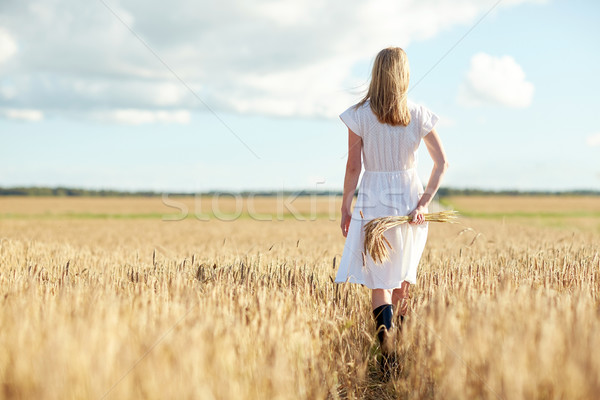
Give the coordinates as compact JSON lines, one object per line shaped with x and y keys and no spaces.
{"x":88,"y":105}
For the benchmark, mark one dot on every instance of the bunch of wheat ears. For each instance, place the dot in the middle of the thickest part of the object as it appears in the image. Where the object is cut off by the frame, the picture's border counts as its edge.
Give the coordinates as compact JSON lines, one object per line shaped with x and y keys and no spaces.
{"x":375,"y":241}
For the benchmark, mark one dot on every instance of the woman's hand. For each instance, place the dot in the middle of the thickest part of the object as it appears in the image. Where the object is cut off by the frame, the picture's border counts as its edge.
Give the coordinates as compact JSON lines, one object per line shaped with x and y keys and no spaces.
{"x":346,"y":217}
{"x":416,"y":217}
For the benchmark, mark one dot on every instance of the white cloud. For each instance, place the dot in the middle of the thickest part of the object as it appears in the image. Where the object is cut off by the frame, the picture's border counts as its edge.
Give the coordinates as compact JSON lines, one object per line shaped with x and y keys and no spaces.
{"x":270,"y":57}
{"x":8,"y":46}
{"x":8,"y":92}
{"x":495,"y":81}
{"x":22,"y":114}
{"x":593,"y":140}
{"x":138,"y":117}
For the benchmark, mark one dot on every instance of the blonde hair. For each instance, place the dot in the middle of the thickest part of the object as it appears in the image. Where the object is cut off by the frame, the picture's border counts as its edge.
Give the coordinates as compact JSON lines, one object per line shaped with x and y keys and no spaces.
{"x":388,"y":87}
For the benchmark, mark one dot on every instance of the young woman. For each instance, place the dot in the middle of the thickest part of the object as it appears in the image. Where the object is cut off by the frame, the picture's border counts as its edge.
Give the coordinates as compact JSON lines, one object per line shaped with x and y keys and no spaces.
{"x":387,"y":129}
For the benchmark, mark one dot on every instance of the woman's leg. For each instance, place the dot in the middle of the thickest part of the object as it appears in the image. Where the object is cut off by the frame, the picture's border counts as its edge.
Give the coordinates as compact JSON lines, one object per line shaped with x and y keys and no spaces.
{"x":380,"y":297}
{"x":383,"y":312}
{"x":400,"y":298}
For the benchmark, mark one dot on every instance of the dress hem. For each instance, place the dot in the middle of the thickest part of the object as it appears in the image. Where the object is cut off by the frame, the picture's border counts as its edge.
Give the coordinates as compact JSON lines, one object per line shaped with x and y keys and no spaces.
{"x":358,"y":282}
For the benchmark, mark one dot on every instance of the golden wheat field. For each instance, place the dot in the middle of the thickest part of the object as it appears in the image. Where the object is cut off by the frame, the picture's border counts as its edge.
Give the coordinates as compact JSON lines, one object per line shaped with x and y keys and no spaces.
{"x":145,"y":298}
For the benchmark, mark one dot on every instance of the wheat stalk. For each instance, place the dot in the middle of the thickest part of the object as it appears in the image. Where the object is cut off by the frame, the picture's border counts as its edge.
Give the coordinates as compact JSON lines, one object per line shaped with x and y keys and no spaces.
{"x":375,"y":241}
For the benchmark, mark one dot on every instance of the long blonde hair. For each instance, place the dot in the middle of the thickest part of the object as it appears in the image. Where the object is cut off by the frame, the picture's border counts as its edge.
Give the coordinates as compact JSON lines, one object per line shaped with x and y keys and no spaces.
{"x":388,"y":87}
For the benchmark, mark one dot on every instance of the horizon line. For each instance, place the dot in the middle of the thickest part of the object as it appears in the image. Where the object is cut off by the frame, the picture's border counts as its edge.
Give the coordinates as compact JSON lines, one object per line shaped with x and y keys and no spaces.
{"x":66,"y":191}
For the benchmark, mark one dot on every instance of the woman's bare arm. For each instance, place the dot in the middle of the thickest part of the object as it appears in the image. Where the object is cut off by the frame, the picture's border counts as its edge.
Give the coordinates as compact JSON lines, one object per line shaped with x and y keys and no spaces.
{"x":440,"y":165}
{"x":353,"y":168}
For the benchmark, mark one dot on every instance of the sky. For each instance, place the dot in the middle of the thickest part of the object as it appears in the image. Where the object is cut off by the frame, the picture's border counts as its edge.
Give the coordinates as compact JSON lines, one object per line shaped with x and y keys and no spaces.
{"x":245,"y":95}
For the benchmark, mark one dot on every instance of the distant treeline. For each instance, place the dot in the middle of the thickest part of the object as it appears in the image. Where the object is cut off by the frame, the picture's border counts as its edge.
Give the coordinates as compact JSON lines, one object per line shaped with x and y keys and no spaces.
{"x":74,"y":192}
{"x":446,"y":192}
{"x":443,"y":192}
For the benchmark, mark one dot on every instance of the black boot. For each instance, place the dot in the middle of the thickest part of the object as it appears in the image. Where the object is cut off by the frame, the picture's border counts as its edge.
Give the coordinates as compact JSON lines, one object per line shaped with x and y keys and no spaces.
{"x":384,"y":316}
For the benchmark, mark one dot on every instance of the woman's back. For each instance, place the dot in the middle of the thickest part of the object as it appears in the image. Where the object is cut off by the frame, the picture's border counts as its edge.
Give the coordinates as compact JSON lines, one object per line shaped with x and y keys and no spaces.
{"x":387,"y":147}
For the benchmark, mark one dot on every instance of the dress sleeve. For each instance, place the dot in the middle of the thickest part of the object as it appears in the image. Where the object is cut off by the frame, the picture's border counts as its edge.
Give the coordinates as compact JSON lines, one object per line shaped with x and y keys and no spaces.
{"x":428,"y":121}
{"x":351,"y":118}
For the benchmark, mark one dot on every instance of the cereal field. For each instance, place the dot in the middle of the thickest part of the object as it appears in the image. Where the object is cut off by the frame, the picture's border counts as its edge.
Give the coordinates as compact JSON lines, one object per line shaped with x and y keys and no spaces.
{"x":184,"y":298}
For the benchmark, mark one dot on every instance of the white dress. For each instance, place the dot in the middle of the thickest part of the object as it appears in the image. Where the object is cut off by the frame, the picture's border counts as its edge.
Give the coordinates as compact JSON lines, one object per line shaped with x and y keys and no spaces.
{"x":389,"y":186}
